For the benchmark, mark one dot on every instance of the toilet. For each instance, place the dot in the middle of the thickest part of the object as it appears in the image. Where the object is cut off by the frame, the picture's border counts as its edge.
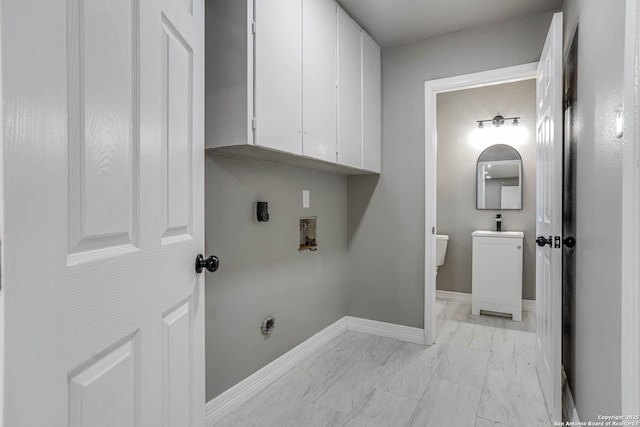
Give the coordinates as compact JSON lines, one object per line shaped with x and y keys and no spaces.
{"x":441,"y":249}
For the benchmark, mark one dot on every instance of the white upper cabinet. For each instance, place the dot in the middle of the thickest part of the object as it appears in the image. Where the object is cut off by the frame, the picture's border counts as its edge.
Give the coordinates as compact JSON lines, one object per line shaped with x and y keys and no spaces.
{"x":292,"y":81}
{"x":371,"y":104}
{"x":349,"y":92}
{"x":319,"y":93}
{"x":278,"y":77}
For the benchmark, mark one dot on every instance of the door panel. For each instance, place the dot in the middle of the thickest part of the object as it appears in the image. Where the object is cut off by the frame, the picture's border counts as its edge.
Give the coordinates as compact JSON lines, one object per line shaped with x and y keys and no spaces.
{"x":549,"y":219}
{"x":177,"y":119}
{"x":102,"y":138}
{"x":113,"y":378}
{"x":114,"y":302}
{"x":349,"y":92}
{"x":319,"y":79}
{"x":176,"y":361}
{"x":278,"y":75}
{"x":372,"y":104}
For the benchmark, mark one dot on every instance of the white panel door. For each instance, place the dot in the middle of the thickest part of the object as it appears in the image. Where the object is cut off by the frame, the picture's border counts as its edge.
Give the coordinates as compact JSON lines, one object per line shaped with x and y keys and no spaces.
{"x":278,"y":75}
{"x":349,"y":92}
{"x":371,"y":104}
{"x":319,"y":94}
{"x":104,"y":213}
{"x":549,"y":220}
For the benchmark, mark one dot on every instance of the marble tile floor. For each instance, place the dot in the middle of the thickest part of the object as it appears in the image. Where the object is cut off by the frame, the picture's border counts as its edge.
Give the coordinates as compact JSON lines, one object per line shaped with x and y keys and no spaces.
{"x":479,"y":373}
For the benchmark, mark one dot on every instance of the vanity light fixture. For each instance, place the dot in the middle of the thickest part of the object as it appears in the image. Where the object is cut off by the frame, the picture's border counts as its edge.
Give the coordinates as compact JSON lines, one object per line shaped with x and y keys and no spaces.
{"x":499,"y":121}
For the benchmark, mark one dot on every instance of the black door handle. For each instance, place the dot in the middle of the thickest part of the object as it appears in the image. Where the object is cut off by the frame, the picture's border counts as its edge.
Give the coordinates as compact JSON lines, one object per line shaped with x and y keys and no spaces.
{"x":212,"y":263}
{"x":569,"y":242}
{"x":541,"y":241}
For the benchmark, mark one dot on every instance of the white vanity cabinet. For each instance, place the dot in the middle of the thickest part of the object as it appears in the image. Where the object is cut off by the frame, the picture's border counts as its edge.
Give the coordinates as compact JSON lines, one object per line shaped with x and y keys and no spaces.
{"x":274,"y":90}
{"x":497,"y":272}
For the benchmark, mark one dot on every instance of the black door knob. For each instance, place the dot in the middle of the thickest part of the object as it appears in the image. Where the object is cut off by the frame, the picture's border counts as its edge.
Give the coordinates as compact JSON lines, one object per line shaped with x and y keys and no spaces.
{"x":541,"y":241}
{"x":569,"y":242}
{"x":212,"y":263}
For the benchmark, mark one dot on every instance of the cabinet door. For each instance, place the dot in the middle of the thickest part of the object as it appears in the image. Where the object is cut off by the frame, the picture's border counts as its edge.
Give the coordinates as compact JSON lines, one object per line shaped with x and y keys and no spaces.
{"x":319,"y":93}
{"x":497,"y":271}
{"x":371,"y":96}
{"x":349,"y":92}
{"x":278,"y":74}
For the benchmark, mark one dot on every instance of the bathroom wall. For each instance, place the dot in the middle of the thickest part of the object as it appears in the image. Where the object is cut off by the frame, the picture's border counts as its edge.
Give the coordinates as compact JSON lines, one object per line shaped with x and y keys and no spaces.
{"x":460,"y":142}
{"x":386,"y":214}
{"x":596,"y":383}
{"x":261,"y":270}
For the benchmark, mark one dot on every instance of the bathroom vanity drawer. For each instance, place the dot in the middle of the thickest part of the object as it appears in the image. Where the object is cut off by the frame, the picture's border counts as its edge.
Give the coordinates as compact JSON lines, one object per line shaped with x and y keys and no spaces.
{"x":497,"y":273}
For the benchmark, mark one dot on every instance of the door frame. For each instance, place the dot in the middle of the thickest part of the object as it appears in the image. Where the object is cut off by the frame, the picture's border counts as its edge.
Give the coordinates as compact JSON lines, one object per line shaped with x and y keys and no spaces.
{"x":2,"y":266}
{"x":630,"y":317}
{"x":432,"y":89}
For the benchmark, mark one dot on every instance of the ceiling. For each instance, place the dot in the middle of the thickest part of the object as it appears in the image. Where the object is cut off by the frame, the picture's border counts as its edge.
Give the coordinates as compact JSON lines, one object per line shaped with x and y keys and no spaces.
{"x":394,"y":22}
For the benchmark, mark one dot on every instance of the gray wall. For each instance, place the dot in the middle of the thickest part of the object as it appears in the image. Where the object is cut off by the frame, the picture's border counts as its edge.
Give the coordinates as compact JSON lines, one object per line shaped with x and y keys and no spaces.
{"x":596,"y":387}
{"x":458,"y":153}
{"x":261,"y":270}
{"x":386,"y":215}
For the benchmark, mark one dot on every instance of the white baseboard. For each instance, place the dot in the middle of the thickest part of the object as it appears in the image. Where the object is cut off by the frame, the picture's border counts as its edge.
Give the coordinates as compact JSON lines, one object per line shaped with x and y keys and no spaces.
{"x":568,"y":404}
{"x":453,"y":296}
{"x":383,"y":329}
{"x":528,"y":305}
{"x":225,"y":403}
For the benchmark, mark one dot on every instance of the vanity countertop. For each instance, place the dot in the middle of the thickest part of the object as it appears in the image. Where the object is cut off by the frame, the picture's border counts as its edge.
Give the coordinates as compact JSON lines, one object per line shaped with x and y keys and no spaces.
{"x":504,"y":234}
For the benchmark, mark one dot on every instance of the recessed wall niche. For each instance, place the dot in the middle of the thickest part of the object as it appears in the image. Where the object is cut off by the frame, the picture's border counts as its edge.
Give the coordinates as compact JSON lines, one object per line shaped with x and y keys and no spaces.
{"x":308,"y":239}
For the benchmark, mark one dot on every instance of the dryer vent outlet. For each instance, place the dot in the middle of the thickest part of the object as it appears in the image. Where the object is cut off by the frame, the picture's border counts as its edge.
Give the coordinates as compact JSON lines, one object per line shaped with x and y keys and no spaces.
{"x":267,"y":326}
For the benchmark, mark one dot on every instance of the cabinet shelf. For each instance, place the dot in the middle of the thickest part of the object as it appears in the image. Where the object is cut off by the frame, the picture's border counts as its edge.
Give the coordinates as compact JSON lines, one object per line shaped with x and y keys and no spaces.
{"x":282,"y":157}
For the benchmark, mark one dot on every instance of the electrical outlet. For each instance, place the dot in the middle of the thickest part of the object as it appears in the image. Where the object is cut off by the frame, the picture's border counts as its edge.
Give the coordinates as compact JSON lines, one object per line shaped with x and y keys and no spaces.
{"x":305,"y":198}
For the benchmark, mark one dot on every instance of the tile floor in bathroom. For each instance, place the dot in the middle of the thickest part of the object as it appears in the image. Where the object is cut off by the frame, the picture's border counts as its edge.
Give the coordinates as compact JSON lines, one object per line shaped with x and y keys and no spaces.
{"x":479,"y":373}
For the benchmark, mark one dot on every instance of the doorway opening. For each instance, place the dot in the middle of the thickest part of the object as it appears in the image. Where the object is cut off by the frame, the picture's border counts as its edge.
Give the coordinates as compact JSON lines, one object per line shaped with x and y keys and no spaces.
{"x":548,"y":214}
{"x":437,"y":314}
{"x":432,"y":89}
{"x":486,"y":183}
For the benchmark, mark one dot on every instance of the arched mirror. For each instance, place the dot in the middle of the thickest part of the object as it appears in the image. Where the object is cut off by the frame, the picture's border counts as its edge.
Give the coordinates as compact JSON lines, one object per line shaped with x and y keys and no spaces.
{"x":499,"y":178}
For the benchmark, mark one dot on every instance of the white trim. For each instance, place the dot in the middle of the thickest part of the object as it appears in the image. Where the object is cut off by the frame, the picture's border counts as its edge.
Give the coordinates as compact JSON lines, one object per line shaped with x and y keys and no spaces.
{"x":383,"y":329}
{"x":528,"y":305}
{"x":461,"y":297}
{"x":569,"y":410}
{"x":630,"y":318}
{"x":225,"y":403}
{"x":570,"y":407}
{"x":2,"y":241}
{"x":432,"y":88}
